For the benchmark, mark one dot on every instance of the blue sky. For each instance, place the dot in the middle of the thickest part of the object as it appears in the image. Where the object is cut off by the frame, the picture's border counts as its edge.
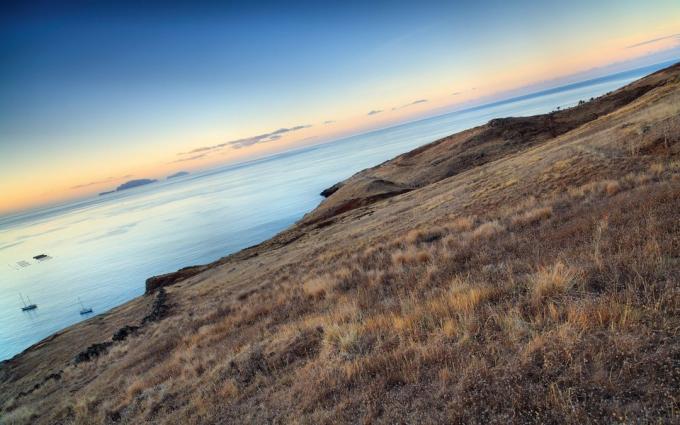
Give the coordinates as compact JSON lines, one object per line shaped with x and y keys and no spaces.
{"x":97,"y":92}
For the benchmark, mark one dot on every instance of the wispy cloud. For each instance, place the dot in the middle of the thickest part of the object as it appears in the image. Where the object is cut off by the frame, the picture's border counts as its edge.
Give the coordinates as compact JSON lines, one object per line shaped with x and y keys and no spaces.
{"x":197,"y":150}
{"x":654,"y":40}
{"x":374,"y":112}
{"x":264,"y":138}
{"x":415,"y":102}
{"x":238,"y":143}
{"x":328,"y":122}
{"x":456,"y":93}
{"x":98,"y":182}
{"x":190,"y":158}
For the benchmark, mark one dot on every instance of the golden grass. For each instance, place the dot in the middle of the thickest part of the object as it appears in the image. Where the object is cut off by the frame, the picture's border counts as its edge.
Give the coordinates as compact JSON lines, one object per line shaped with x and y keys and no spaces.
{"x":410,"y":256}
{"x":545,"y":302}
{"x":416,"y":333}
{"x":553,"y":281}
{"x":532,"y":216}
{"x":487,"y":230}
{"x":406,"y":314}
{"x":417,"y":236}
{"x":318,"y":286}
{"x":462,"y":224}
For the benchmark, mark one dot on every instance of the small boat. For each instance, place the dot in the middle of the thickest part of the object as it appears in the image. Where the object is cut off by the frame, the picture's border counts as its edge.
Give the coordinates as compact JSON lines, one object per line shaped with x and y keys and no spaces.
{"x":83,"y":309}
{"x":29,"y":306}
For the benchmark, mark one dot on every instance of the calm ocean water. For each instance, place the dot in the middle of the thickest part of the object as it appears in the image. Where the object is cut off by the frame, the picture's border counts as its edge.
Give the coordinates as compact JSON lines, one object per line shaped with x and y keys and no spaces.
{"x":105,"y":247}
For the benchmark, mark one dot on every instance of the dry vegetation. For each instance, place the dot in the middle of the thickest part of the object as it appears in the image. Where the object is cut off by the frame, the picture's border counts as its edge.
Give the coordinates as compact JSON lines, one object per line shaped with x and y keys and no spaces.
{"x":472,"y":300}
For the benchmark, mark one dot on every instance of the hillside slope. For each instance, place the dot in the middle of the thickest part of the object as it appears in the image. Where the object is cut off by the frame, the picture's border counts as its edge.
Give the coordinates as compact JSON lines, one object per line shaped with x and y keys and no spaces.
{"x":468,"y":149}
{"x":525,"y":271}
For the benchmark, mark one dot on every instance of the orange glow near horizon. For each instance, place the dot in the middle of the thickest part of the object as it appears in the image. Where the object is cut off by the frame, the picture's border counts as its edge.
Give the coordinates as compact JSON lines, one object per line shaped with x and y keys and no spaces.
{"x":70,"y":175}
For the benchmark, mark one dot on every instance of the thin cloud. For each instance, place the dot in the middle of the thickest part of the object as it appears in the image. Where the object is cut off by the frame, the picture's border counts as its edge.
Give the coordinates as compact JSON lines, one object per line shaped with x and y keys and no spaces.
{"x":191,"y":158}
{"x":197,"y":150}
{"x":329,"y":122}
{"x":654,"y":40}
{"x":456,"y":93}
{"x":415,"y":102}
{"x":374,"y":112}
{"x":264,"y":138}
{"x":98,"y":182}
{"x":238,"y":143}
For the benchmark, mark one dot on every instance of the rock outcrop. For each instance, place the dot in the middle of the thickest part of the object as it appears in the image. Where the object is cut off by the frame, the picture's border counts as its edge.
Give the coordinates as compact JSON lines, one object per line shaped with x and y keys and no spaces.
{"x":155,"y":282}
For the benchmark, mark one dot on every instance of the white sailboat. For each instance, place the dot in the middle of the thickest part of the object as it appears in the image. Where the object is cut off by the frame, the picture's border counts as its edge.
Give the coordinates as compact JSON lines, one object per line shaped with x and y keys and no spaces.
{"x":83,"y":309}
{"x":29,"y":306}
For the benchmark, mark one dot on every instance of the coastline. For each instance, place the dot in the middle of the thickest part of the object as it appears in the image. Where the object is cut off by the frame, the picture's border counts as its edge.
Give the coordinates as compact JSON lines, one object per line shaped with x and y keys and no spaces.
{"x":378,"y":189}
{"x":493,"y":167}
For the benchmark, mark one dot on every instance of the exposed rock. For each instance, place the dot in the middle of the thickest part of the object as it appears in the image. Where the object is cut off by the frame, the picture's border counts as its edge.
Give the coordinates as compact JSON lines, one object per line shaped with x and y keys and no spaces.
{"x":357,"y":193}
{"x":158,"y":309}
{"x":167,"y":279}
{"x":94,"y":350}
{"x":55,"y":376}
{"x":124,"y":332}
{"x":331,"y":190}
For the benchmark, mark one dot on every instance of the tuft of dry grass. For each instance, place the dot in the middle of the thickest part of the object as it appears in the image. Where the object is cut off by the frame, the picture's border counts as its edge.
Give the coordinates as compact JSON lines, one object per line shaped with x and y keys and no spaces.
{"x":428,"y":235}
{"x":318,"y":287}
{"x":462,"y":224}
{"x":410,"y":256}
{"x":657,"y":169}
{"x":553,"y":281}
{"x":488,"y":230}
{"x":612,"y":187}
{"x":532,"y":216}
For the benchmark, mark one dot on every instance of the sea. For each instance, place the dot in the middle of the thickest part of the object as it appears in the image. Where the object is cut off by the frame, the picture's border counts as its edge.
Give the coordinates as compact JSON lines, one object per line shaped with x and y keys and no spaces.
{"x":102,"y":249}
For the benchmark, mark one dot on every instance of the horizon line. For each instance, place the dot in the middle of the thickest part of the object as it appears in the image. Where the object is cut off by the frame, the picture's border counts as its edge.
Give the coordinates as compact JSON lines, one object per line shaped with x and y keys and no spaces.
{"x":226,"y":166}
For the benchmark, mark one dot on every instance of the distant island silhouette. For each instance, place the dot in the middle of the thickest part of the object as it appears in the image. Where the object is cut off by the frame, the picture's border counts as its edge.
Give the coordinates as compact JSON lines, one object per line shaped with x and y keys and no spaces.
{"x":129,"y":185}
{"x":177,"y":174}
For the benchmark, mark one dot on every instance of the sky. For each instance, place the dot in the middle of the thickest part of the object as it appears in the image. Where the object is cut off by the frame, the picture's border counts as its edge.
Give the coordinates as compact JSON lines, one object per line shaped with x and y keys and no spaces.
{"x":96,"y":93}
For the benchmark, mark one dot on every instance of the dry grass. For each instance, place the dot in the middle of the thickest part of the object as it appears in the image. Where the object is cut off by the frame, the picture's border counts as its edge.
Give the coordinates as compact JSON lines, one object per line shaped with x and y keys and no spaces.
{"x":532,"y":216}
{"x":549,"y":282}
{"x":318,"y":286}
{"x":487,"y":230}
{"x":462,"y":224}
{"x":409,"y":315}
{"x":550,"y":301}
{"x":428,"y":235}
